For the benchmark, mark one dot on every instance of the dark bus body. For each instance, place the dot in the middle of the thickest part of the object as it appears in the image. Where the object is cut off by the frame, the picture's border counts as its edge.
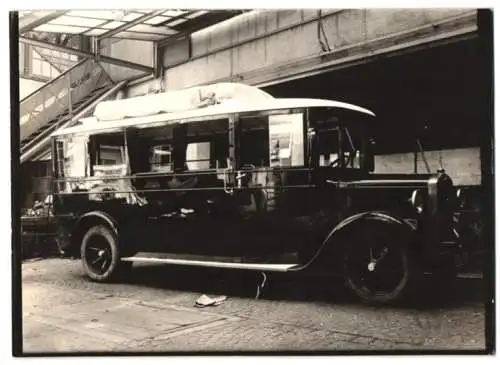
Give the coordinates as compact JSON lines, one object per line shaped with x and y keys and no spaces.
{"x":279,"y":189}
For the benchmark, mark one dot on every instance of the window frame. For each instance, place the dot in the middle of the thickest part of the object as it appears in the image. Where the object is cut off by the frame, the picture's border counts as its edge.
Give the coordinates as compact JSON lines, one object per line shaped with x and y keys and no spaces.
{"x":212,"y":139}
{"x":266,"y":114}
{"x":95,"y":145}
{"x":181,"y":138}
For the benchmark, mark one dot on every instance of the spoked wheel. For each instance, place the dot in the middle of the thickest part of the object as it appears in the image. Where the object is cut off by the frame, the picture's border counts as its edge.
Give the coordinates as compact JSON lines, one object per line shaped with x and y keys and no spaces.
{"x":378,"y":269}
{"x":100,"y":254}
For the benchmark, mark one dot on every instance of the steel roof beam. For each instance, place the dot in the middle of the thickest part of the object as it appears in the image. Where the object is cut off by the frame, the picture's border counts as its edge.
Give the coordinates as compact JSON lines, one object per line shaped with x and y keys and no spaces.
{"x":128,"y":25}
{"x":107,"y":59}
{"x":165,"y":23}
{"x":35,"y":19}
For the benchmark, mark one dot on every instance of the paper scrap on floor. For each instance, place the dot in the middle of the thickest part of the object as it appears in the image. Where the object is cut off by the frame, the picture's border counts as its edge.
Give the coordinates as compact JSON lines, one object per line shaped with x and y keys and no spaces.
{"x":205,"y":301}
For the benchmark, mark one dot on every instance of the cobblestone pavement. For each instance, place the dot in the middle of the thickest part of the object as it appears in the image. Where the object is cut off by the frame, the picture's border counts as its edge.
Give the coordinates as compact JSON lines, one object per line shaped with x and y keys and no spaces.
{"x":153,"y":311}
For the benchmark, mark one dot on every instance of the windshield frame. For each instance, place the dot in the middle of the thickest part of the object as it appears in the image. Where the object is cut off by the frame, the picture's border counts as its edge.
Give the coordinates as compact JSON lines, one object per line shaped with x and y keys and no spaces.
{"x":352,"y":141}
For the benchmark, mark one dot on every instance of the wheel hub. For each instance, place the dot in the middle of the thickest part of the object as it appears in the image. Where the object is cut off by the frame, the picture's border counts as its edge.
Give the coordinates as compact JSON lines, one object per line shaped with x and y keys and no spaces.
{"x":371,"y":266}
{"x":375,"y":260}
{"x":376,"y":270}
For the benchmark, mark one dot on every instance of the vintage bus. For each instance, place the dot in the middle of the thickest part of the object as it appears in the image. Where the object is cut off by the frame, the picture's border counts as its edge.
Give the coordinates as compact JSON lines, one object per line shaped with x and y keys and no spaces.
{"x":228,"y":176}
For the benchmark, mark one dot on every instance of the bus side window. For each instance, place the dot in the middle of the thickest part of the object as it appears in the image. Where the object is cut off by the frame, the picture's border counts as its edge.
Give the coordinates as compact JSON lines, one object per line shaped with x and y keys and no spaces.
{"x":150,"y":149}
{"x":207,"y":145}
{"x":254,"y":141}
{"x":161,"y":158}
{"x":107,"y":150}
{"x":286,"y":140}
{"x":71,"y":157}
{"x":274,"y":140}
{"x":198,"y":155}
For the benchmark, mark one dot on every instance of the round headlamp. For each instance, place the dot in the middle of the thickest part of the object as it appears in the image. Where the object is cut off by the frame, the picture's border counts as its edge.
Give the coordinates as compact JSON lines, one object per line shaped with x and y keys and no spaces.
{"x":460,"y":195}
{"x":417,"y":200}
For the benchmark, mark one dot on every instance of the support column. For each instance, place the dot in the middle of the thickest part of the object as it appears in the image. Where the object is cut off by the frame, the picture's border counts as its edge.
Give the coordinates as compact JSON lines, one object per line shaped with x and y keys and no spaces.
{"x":85,"y":43}
{"x":28,"y":60}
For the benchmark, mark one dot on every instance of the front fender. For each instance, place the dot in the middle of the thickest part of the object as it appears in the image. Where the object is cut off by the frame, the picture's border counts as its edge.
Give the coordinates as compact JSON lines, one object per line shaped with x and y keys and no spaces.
{"x":349,"y":225}
{"x":369,"y":216}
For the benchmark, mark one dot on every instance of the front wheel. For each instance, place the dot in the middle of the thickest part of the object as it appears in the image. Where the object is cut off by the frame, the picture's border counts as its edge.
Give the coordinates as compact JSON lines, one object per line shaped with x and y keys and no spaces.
{"x":378,"y":270}
{"x":101,"y":255}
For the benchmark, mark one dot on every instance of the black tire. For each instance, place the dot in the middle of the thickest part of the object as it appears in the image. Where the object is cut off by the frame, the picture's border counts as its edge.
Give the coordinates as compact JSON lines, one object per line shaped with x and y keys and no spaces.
{"x":378,"y":266}
{"x":100,"y":255}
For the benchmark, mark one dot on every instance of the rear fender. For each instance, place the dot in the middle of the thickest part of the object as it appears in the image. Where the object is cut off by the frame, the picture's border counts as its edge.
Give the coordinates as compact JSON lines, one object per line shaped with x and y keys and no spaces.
{"x":97,"y":216}
{"x":86,"y":221}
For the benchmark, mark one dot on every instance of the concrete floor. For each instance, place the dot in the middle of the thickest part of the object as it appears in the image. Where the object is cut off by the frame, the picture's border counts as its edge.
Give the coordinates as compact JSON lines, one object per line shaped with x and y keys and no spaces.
{"x":154,"y":311}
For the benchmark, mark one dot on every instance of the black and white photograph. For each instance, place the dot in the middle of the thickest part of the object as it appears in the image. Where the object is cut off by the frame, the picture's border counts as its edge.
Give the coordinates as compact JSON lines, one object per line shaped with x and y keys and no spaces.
{"x":252,"y":181}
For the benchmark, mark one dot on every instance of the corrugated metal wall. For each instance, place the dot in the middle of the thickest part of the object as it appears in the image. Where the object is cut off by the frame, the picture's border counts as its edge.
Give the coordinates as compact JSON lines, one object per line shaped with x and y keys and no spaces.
{"x":462,"y":164}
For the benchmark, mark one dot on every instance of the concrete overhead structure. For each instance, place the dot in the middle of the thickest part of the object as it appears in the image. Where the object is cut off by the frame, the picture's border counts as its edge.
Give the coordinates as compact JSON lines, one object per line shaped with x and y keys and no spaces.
{"x":262,"y":48}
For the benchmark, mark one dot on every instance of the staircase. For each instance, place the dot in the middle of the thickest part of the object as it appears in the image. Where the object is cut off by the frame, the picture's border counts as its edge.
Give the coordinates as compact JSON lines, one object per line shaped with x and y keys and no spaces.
{"x":63,"y":100}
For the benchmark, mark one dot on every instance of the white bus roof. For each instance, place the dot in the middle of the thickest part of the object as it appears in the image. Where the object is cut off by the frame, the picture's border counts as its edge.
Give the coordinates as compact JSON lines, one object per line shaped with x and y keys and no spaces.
{"x":177,"y":100}
{"x":184,"y":106}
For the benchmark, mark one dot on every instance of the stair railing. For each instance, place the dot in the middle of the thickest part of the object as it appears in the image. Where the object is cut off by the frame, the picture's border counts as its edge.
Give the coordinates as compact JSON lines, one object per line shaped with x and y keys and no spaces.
{"x":59,"y":60}
{"x":59,"y":95}
{"x":36,"y":147}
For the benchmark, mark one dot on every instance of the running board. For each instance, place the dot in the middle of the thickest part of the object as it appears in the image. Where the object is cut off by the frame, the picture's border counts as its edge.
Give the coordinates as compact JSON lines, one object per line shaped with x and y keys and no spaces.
{"x":217,"y":264}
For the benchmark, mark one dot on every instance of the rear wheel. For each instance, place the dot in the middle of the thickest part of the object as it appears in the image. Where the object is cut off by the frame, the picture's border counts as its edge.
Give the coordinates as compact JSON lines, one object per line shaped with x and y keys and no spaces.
{"x":101,"y":255}
{"x":378,"y":266}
